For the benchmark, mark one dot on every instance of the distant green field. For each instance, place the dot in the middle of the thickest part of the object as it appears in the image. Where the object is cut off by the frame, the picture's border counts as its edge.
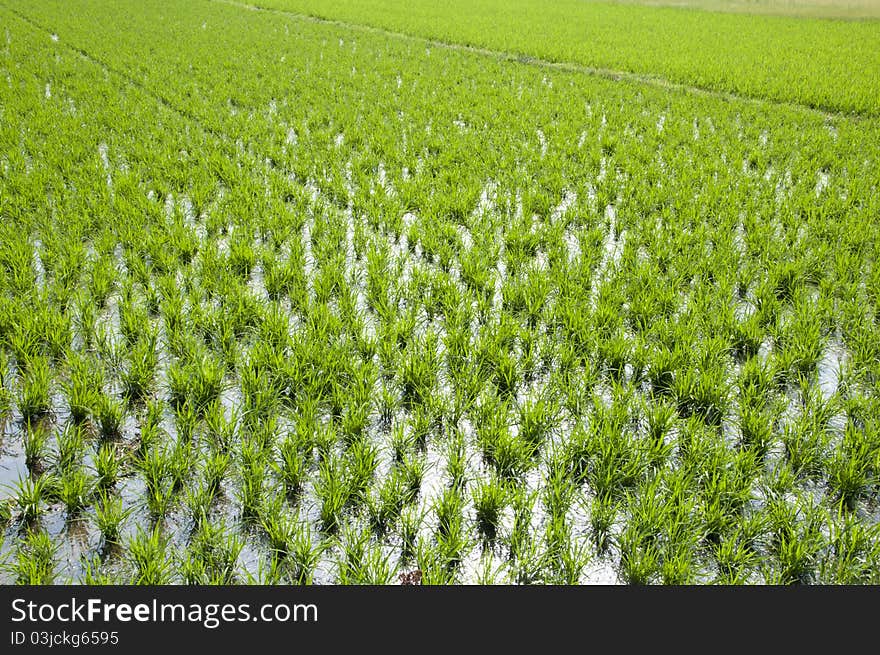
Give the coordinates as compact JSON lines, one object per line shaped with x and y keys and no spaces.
{"x":832,"y":65}
{"x":849,"y":9}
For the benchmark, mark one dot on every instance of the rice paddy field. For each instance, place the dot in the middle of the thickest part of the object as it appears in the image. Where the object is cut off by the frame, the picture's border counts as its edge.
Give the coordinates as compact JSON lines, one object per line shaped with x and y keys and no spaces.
{"x":480,"y":292}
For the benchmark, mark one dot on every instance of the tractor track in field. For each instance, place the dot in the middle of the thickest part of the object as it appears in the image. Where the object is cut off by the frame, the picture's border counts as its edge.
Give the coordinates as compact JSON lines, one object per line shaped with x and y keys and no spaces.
{"x":563,"y":66}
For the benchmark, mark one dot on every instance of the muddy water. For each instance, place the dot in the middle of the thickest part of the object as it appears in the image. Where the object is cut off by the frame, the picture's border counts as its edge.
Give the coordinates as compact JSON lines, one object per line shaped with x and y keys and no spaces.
{"x":12,"y":459}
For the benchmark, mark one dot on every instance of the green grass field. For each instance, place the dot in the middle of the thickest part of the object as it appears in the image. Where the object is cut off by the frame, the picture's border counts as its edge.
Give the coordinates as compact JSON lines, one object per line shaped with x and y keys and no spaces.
{"x":296,"y":300}
{"x":828,"y":64}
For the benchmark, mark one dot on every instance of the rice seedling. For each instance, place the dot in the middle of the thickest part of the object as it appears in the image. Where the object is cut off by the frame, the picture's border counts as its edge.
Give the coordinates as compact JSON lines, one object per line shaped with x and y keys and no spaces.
{"x":436,"y":570}
{"x":70,"y":443}
{"x":448,"y":508}
{"x":211,"y":556}
{"x":109,"y":348}
{"x":361,"y":561}
{"x":107,"y":465}
{"x":150,"y":432}
{"x":800,"y":342}
{"x":639,"y":561}
{"x":154,"y":465}
{"x":261,"y":398}
{"x":756,"y":429}
{"x":93,"y":573}
{"x":528,"y":561}
{"x":197,"y":382}
{"x":333,"y":491}
{"x":110,"y":415}
{"x":361,"y":462}
{"x":735,"y":561}
{"x":220,"y":431}
{"x":325,"y":440}
{"x":252,"y":467}
{"x":386,"y":503}
{"x":421,"y":424}
{"x":110,"y":514}
{"x":31,"y":496}
{"x":36,"y":441}
{"x":102,"y":281}
{"x":23,"y":344}
{"x":270,"y":571}
{"x":747,"y":338}
{"x":138,"y":376}
{"x":677,"y":567}
{"x":661,"y":418}
{"x":215,"y":471}
{"x":148,"y":552}
{"x":410,"y":520}
{"x":490,"y":571}
{"x":456,"y":460}
{"x":160,"y":498}
{"x":278,"y":527}
{"x":418,"y":371}
{"x":7,"y":398}
{"x":618,"y":463}
{"x":35,"y":559}
{"x":75,"y":489}
{"x":83,"y":386}
{"x":704,"y":394}
{"x":402,"y":441}
{"x":603,"y":512}
{"x":180,"y":464}
{"x":536,"y":419}
{"x":568,"y":564}
{"x":854,"y":552}
{"x":388,"y":403}
{"x":795,"y":539}
{"x":85,"y":316}
{"x":304,"y":555}
{"x":852,"y":471}
{"x":134,"y":322}
{"x":198,"y":499}
{"x":33,"y":397}
{"x":510,"y":454}
{"x":413,"y":470}
{"x":525,"y":551}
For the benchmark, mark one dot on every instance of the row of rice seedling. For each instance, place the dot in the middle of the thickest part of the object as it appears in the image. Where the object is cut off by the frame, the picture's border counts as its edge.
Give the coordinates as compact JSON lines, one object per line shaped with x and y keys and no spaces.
{"x":811,"y":61}
{"x":261,"y":330}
